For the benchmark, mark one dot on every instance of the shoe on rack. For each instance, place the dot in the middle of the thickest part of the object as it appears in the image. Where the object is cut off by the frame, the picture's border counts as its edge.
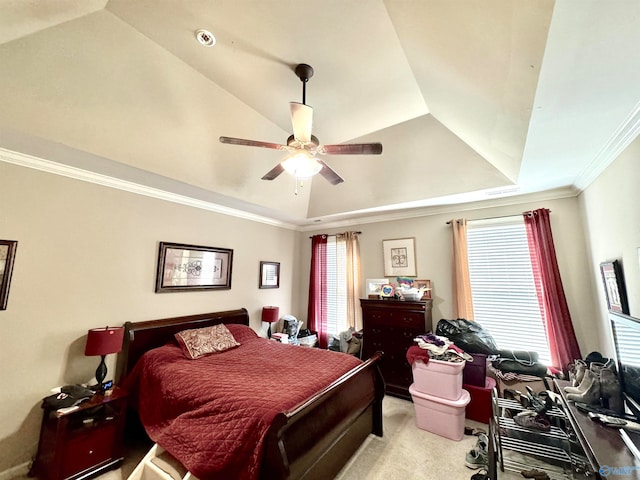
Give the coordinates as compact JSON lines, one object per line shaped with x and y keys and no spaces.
{"x":476,"y":458}
{"x":535,"y":474}
{"x":533,"y":421}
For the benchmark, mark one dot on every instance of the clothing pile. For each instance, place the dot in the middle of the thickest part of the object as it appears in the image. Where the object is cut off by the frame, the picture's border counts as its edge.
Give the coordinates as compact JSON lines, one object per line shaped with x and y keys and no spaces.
{"x":434,"y":347}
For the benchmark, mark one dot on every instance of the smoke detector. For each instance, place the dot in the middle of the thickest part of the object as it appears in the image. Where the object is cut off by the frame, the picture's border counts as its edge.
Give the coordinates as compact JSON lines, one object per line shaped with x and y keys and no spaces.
{"x":205,"y":38}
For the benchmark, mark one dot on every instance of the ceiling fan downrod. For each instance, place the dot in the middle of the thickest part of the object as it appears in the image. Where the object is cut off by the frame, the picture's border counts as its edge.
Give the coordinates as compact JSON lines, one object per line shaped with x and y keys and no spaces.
{"x":304,"y":73}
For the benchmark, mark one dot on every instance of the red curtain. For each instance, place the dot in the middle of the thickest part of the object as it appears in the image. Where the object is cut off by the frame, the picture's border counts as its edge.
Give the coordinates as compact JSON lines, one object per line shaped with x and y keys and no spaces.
{"x":317,"y":314}
{"x":553,"y":303}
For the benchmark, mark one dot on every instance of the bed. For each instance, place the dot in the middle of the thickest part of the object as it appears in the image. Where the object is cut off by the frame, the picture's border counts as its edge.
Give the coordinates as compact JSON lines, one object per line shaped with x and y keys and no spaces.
{"x":313,"y":438}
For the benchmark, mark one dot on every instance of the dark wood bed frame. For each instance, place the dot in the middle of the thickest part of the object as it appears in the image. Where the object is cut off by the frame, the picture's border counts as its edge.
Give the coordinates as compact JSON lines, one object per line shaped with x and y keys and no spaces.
{"x":312,"y":441}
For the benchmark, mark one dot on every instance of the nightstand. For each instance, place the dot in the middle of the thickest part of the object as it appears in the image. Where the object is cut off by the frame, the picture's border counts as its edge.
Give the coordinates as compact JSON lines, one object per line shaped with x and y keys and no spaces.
{"x":81,"y":442}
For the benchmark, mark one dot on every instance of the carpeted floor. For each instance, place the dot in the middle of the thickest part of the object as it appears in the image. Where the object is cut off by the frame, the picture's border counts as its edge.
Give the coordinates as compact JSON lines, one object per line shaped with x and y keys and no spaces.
{"x":404,"y":453}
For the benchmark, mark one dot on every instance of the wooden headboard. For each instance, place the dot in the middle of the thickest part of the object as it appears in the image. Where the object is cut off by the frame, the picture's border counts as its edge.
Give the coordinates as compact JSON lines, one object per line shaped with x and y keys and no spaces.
{"x":140,"y":337}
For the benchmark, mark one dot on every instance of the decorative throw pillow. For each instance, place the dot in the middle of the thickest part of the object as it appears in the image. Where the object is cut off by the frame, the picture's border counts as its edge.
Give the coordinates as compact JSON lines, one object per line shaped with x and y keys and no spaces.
{"x":198,"y":342}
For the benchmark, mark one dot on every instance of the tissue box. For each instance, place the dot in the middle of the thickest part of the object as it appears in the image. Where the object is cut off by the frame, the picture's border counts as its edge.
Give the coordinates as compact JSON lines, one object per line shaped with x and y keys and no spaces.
{"x":280,"y":337}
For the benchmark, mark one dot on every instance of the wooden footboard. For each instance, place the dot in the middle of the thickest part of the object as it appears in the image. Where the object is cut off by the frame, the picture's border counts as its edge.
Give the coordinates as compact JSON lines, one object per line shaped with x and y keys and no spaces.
{"x":316,"y":438}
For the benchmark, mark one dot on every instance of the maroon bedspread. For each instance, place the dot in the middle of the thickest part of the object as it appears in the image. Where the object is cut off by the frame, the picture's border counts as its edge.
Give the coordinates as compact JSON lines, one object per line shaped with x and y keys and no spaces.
{"x":213,"y":413}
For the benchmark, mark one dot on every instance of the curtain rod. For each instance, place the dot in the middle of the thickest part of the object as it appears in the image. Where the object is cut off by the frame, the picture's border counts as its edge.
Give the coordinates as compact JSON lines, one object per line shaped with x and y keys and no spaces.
{"x":501,"y":216}
{"x":327,"y":234}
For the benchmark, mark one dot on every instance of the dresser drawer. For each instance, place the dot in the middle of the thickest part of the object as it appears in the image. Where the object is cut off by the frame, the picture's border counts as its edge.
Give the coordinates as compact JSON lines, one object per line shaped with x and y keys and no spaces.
{"x":396,"y":319}
{"x":88,"y":448}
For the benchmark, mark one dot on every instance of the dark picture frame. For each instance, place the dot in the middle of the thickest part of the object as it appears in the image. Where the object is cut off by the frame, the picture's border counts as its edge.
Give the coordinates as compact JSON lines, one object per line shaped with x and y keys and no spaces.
{"x":614,"y":287}
{"x":7,"y":256}
{"x":269,"y":275}
{"x":183,"y":267}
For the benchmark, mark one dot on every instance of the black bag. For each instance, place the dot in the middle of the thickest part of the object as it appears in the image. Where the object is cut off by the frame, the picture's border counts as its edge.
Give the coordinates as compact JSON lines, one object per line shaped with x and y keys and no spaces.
{"x":469,"y":336}
{"x":521,"y":362}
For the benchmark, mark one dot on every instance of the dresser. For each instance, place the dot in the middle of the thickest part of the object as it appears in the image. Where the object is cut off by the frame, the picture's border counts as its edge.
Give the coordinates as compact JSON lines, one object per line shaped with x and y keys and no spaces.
{"x":390,"y":326}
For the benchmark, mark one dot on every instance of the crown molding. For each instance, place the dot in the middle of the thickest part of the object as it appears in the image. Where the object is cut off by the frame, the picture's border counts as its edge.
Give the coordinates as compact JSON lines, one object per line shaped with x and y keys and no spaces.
{"x":621,"y":138}
{"x":48,"y":166}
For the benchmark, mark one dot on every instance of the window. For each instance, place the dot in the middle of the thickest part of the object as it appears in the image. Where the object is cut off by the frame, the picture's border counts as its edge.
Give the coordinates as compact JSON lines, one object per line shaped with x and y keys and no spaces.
{"x":336,"y":285}
{"x":502,"y":284}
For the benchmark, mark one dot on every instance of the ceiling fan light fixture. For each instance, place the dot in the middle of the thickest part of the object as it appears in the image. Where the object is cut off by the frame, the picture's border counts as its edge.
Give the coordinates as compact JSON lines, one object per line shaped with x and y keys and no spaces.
{"x":301,"y":164}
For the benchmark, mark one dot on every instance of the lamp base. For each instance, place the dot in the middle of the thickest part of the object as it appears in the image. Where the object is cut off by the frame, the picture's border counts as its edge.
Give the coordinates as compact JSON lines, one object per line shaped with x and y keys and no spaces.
{"x":101,"y":373}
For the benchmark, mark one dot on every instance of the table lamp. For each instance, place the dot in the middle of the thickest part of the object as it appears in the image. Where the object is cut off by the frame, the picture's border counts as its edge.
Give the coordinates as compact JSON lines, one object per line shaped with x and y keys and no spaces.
{"x":103,"y":341}
{"x":270,"y":315}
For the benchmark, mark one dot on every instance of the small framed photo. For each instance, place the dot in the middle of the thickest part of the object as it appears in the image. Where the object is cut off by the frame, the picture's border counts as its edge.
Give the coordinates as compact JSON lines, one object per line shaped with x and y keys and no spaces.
{"x":374,"y":286}
{"x":399,"y":257}
{"x":424,"y":285}
{"x":269,"y":275}
{"x":7,"y":256}
{"x":614,"y":287}
{"x":192,"y":267}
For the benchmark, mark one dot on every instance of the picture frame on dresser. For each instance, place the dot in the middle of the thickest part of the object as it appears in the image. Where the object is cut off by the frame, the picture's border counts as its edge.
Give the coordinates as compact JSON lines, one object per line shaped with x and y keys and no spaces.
{"x":614,"y":287}
{"x":373,"y":287}
{"x":7,"y":257}
{"x":399,"y":255}
{"x":424,"y":285}
{"x":183,"y":267}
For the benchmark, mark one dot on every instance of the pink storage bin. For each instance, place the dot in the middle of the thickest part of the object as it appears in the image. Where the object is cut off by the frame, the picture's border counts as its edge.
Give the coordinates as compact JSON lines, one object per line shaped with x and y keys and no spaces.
{"x":442,"y":379}
{"x":440,"y":416}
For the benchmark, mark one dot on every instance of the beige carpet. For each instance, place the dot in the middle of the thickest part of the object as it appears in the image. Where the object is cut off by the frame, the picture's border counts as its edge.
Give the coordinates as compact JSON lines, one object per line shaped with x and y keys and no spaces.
{"x":404,"y":453}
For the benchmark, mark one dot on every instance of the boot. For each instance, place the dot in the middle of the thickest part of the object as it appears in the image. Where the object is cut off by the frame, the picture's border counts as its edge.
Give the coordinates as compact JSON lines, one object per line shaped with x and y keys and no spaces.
{"x":610,"y":390}
{"x":579,"y":367}
{"x":591,"y":395}
{"x":584,"y":384}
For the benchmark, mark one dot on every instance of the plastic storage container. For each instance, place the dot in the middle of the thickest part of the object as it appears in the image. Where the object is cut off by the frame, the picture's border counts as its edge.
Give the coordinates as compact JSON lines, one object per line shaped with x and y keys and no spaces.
{"x":475,"y":373}
{"x":438,"y":415}
{"x":479,"y":408}
{"x":442,"y":379}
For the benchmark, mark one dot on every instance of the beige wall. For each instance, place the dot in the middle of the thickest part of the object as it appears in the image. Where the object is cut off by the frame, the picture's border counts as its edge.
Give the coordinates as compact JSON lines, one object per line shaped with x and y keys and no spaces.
{"x":433,"y":256}
{"x":87,"y":258}
{"x":612,"y":223}
{"x":87,"y":255}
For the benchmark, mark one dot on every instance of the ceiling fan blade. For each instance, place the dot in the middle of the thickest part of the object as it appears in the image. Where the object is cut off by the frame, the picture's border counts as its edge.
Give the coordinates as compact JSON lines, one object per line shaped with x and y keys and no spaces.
{"x":332,"y":177}
{"x":301,"y":120}
{"x":252,"y":143}
{"x":273,"y":173}
{"x":352,"y":149}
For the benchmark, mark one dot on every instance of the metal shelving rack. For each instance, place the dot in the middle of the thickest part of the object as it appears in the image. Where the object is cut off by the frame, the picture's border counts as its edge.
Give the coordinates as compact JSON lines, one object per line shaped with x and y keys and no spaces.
{"x":519,"y":448}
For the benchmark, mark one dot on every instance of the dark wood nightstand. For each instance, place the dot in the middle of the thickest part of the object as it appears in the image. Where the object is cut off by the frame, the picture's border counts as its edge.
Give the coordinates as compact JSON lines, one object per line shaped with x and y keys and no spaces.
{"x":82,"y":442}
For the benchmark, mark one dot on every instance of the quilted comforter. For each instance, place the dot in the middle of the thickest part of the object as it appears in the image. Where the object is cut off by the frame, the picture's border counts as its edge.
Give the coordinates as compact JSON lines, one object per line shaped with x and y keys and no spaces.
{"x":213,"y":413}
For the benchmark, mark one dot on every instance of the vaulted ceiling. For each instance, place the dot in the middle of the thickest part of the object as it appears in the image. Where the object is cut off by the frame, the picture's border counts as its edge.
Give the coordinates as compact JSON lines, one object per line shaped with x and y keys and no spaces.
{"x":472,"y":99}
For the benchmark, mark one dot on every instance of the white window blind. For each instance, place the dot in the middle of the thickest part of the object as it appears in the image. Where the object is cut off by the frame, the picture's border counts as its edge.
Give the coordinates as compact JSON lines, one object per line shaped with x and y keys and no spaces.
{"x":336,"y":286}
{"x":502,"y":285}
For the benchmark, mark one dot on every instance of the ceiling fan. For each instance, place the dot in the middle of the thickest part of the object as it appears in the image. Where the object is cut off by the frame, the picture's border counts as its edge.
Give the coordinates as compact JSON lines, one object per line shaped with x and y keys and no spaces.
{"x":302,"y":146}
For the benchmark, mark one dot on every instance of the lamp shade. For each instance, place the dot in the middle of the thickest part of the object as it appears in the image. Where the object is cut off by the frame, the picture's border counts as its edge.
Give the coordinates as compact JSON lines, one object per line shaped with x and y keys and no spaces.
{"x":270,"y":314}
{"x":103,"y":341}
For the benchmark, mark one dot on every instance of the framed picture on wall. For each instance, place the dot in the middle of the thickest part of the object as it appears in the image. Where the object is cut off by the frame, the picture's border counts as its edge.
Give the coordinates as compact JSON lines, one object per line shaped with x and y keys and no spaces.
{"x":399,"y":257}
{"x":7,"y":256}
{"x":269,"y":275}
{"x":192,"y":267}
{"x":614,"y":287}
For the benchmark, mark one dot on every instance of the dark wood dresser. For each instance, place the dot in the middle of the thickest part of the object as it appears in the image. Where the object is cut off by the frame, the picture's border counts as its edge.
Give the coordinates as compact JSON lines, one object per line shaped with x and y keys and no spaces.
{"x":390,"y":326}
